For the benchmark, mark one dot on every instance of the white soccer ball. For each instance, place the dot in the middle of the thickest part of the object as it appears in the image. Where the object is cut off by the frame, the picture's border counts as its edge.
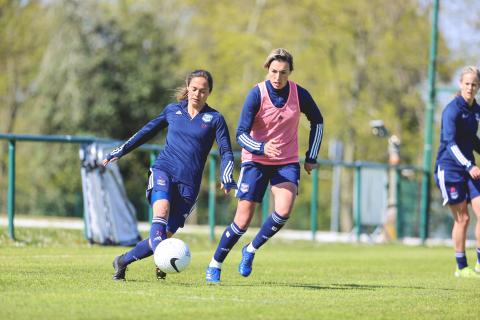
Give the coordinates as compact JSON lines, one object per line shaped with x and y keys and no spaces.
{"x":172,"y":255}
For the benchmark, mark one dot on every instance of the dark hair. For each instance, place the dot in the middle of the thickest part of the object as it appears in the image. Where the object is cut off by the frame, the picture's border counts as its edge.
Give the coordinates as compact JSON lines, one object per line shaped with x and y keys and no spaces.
{"x":279,"y":54}
{"x":181,"y":93}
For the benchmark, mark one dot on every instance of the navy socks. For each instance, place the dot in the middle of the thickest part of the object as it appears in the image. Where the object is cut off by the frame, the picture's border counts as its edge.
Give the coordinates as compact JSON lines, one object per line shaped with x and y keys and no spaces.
{"x":140,"y":251}
{"x":158,"y":231}
{"x":461,"y":260}
{"x":269,"y":228}
{"x":229,"y":238}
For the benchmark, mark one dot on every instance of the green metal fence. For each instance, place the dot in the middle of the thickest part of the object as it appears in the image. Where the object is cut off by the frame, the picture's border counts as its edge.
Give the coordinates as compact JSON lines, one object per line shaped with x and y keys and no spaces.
{"x":402,"y":186}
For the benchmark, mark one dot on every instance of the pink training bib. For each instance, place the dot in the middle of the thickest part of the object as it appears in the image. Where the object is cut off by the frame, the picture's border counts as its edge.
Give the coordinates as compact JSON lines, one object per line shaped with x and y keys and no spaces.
{"x":280,"y":124}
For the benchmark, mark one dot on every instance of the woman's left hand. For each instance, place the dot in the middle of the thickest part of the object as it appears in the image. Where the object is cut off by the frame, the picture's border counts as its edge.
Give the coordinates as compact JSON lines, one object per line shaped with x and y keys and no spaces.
{"x":310,"y":166}
{"x":226,"y":189}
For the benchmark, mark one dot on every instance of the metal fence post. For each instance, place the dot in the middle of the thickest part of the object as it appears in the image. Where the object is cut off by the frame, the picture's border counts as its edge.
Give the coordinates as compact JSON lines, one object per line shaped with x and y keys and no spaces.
{"x":211,"y":196}
{"x":427,"y":140}
{"x":11,"y":188}
{"x":313,"y":204}
{"x":398,"y":201}
{"x":357,"y":203}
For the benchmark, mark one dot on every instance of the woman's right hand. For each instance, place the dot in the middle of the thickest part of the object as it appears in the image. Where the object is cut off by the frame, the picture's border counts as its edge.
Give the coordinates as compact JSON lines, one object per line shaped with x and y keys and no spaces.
{"x":270,"y":149}
{"x":105,"y":161}
{"x":475,"y":173}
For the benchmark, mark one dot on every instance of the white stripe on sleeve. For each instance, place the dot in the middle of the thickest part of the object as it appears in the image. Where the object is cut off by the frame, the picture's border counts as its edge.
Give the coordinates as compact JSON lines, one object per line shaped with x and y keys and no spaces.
{"x":227,"y":174}
{"x":249,"y":142}
{"x":316,"y":142}
{"x":460,"y":157}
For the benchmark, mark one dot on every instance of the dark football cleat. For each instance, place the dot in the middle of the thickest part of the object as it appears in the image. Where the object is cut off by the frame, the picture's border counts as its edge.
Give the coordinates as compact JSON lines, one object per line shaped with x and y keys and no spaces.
{"x":160,"y":274}
{"x":120,"y":268}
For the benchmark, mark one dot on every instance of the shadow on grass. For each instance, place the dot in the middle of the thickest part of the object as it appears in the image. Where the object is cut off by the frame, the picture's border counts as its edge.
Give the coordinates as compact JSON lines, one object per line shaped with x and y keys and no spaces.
{"x":332,"y":286}
{"x":352,"y":286}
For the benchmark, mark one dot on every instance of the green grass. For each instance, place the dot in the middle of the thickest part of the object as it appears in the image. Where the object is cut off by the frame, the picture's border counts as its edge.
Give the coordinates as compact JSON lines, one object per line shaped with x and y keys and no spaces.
{"x":54,"y":274}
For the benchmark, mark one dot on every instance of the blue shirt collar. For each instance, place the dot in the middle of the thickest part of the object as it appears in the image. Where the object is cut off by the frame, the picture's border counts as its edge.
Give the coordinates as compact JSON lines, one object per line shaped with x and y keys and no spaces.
{"x":283,"y":91}
{"x":184,"y":103}
{"x":463,"y":104}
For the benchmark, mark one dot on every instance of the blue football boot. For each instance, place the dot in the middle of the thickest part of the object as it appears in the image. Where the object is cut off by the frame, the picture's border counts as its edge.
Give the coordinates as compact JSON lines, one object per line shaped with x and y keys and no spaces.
{"x":213,"y":275}
{"x":245,"y":266}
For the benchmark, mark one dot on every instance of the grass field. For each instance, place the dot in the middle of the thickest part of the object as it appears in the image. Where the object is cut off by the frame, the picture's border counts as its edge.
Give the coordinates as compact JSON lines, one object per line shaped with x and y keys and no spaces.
{"x":55,"y":274}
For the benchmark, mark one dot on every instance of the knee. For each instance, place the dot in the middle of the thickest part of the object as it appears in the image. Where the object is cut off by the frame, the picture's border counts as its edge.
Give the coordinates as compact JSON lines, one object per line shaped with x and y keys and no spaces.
{"x":463,"y":220}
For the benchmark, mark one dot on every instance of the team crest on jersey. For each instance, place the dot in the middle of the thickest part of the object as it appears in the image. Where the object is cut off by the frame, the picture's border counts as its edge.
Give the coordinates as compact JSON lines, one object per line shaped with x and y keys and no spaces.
{"x":244,"y":187}
{"x":207,"y":117}
{"x":161,"y":182}
{"x":453,"y":193}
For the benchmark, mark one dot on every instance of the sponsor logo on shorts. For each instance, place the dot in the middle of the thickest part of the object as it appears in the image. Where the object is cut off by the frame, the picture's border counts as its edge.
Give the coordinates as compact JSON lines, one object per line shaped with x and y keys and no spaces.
{"x":453,"y":193}
{"x":244,"y":187}
{"x":161,"y":182}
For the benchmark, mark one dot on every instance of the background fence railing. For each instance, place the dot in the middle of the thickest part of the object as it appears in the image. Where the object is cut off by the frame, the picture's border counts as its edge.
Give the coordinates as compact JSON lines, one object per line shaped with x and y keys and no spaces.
{"x":406,"y":203}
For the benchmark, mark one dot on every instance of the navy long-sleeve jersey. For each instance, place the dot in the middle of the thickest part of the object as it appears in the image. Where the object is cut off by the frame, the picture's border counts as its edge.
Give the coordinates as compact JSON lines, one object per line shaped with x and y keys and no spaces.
{"x":458,"y":137}
{"x":279,"y":98}
{"x":187,"y":144}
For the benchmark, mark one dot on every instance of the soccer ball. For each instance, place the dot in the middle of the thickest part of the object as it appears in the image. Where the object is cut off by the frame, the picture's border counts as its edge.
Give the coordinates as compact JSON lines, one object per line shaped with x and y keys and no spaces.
{"x":172,"y":255}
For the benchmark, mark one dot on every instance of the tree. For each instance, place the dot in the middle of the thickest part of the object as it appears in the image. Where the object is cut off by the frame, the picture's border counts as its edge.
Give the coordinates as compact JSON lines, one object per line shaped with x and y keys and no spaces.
{"x":24,"y":27}
{"x":106,"y":72}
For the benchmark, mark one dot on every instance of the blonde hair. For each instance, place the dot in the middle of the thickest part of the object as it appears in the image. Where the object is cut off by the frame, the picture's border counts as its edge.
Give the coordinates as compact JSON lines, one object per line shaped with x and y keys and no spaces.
{"x":279,"y":54}
{"x":470,"y":69}
{"x":181,"y":93}
{"x":467,"y":70}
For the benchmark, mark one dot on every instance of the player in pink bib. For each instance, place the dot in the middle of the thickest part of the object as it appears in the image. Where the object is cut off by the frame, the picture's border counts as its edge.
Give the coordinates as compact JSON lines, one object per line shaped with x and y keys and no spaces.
{"x":267,"y":132}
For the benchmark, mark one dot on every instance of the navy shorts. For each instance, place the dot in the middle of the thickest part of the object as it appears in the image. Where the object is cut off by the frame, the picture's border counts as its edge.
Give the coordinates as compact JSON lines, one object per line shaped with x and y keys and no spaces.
{"x":182,"y":197}
{"x":456,"y":186}
{"x":255,"y":177}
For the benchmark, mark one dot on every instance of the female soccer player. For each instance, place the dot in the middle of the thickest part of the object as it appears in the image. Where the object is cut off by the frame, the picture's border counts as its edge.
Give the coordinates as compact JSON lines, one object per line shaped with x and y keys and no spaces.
{"x":267,"y":132}
{"x":456,"y":173}
{"x":176,"y":175}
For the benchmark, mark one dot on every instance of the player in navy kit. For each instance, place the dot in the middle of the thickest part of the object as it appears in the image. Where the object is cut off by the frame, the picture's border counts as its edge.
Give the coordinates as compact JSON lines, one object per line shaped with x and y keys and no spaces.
{"x":267,"y":132}
{"x":176,"y":175}
{"x":456,"y":173}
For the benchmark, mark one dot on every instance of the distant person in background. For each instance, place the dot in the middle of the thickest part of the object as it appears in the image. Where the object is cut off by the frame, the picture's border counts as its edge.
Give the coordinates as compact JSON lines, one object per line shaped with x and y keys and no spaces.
{"x":267,"y":132}
{"x":456,"y":173}
{"x":175,"y":177}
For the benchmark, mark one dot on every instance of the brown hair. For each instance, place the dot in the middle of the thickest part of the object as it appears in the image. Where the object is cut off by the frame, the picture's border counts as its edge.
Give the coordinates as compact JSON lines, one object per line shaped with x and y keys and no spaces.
{"x":181,"y":93}
{"x":279,"y":54}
